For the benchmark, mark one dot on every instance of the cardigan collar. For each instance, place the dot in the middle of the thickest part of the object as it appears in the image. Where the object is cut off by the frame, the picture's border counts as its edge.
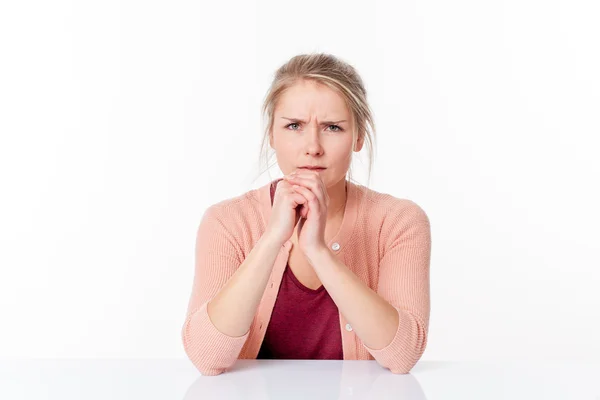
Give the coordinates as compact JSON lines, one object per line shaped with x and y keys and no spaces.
{"x":348,"y":222}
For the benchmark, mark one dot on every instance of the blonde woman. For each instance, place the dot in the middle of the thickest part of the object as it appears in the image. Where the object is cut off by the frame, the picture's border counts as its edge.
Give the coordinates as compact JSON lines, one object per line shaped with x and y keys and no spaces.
{"x":311,"y":265}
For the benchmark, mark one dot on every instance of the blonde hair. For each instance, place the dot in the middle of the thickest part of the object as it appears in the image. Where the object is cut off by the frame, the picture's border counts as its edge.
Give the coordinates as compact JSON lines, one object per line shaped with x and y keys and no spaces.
{"x":337,"y":75}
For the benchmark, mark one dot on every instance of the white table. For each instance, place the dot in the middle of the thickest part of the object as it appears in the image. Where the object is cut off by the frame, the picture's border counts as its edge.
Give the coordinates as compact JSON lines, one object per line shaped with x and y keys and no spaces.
{"x":177,"y":379}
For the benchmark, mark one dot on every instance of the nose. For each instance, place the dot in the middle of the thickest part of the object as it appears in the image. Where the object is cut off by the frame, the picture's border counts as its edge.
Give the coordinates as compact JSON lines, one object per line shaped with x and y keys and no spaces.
{"x":313,"y":140}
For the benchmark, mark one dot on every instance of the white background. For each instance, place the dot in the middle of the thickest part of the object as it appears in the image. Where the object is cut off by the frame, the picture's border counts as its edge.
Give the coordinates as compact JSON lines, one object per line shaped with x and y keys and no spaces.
{"x":122,"y":121}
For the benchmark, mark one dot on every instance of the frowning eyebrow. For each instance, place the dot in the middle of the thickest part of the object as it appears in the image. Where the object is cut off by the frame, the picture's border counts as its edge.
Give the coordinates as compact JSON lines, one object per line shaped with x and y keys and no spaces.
{"x":322,"y":123}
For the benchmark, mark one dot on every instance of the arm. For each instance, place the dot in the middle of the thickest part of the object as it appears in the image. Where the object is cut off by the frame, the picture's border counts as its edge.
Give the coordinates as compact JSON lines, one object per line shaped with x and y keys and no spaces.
{"x":225,"y":295}
{"x":392,"y":323}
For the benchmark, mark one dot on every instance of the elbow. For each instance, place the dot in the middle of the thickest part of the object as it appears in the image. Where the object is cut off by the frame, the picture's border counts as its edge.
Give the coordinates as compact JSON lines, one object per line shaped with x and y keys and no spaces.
{"x":402,"y":367}
{"x":205,"y":366}
{"x":405,"y":362}
{"x":400,"y":371}
{"x":411,"y":355}
{"x":211,"y":352}
{"x":206,"y":361}
{"x":208,"y":370}
{"x":407,"y":347}
{"x":202,"y":359}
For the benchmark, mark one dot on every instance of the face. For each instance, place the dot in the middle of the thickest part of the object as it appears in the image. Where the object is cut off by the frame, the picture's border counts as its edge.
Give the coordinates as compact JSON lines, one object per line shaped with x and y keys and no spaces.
{"x":313,"y":126}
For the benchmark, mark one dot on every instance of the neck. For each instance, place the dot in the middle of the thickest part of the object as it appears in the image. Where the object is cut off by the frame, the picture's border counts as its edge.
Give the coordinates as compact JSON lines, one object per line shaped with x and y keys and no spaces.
{"x":337,"y":199}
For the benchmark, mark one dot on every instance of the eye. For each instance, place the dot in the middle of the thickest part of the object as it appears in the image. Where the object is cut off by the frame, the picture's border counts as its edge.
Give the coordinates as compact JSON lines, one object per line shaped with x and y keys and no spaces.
{"x":293,"y":123}
{"x":338,"y":128}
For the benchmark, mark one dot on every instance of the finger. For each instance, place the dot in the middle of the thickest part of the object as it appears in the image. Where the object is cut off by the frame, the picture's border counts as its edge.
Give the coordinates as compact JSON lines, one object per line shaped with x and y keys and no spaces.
{"x":286,"y":187}
{"x":304,"y":208}
{"x":314,"y":176}
{"x":299,"y":202}
{"x":319,"y":179}
{"x":313,"y":201}
{"x":313,"y":185}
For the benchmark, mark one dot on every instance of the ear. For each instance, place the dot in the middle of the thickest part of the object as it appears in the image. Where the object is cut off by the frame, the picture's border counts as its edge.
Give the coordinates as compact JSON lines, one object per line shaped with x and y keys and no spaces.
{"x":359,"y":143}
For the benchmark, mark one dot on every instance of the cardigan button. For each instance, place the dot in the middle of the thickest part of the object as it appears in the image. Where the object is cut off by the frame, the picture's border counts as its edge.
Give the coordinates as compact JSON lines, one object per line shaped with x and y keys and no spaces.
{"x":348,"y":327}
{"x":335,"y":246}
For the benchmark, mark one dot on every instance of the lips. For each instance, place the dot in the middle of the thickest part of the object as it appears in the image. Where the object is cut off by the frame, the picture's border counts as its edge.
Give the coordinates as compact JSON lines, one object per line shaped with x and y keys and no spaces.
{"x":313,"y":168}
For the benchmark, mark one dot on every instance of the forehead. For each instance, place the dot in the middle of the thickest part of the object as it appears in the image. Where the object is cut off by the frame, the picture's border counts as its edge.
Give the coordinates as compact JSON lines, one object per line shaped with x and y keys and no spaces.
{"x":307,"y":98}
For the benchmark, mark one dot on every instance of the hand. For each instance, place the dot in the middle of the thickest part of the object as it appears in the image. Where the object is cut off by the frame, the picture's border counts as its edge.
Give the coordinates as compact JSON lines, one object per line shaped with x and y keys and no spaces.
{"x":285,"y":212}
{"x":313,"y":213}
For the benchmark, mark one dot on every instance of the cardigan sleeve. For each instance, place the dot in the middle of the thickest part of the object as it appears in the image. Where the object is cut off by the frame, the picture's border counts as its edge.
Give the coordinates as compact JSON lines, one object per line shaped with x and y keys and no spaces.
{"x":404,"y":283}
{"x":217,"y":257}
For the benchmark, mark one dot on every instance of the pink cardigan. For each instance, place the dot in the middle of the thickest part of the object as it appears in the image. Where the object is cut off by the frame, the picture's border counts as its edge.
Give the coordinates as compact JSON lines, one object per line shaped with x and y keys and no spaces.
{"x":384,"y":240}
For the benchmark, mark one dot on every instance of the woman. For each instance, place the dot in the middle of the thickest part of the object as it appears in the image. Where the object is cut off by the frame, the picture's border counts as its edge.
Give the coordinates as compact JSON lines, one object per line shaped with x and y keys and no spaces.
{"x":311,"y":265}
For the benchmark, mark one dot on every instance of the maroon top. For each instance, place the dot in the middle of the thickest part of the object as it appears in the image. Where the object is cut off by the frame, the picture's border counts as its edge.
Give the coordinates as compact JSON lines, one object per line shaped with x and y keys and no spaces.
{"x":304,"y":323}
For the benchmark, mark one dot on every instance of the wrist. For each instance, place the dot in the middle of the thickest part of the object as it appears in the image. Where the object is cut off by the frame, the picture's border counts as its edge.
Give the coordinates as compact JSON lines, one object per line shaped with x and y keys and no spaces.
{"x":316,"y":256}
{"x":271,"y":240}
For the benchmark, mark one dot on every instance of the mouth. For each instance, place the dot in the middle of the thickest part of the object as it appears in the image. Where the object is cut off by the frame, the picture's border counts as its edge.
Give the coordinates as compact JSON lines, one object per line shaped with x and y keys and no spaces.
{"x":314,"y":168}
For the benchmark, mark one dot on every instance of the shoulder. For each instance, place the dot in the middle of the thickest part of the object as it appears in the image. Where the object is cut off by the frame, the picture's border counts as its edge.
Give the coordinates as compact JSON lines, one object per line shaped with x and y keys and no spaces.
{"x":234,"y":221}
{"x":393,"y":220}
{"x":243,"y":202}
{"x":235,"y":211}
{"x":390,"y":208}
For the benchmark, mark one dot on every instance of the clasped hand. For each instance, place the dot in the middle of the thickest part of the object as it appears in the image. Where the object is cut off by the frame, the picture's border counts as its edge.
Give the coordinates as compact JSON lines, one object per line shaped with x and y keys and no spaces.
{"x":311,"y":226}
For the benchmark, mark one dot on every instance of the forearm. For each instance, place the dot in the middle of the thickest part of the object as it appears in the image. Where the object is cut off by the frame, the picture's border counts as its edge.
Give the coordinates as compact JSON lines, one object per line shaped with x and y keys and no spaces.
{"x":372,"y":318}
{"x":232,"y":309}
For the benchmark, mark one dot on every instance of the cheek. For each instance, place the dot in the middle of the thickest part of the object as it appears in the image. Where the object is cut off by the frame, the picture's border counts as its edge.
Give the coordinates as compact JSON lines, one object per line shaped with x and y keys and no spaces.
{"x":343,"y":154}
{"x":286,"y":150}
{"x":280,"y":141}
{"x":286,"y":154}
